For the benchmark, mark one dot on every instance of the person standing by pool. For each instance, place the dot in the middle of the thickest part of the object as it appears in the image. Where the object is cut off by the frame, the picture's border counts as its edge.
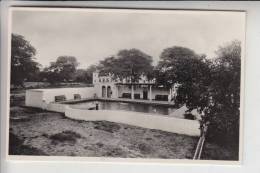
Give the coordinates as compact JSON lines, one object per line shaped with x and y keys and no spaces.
{"x":97,"y":106}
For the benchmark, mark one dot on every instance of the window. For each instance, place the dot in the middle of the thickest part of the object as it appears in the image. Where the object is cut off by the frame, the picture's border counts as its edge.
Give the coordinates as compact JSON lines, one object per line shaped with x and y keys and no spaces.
{"x":77,"y":96}
{"x":126,"y":95}
{"x":60,"y":98}
{"x":136,"y":96}
{"x":161,"y":97}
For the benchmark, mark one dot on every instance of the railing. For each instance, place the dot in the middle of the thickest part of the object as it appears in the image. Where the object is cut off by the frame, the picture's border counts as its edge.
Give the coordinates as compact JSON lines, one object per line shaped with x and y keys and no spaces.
{"x":200,"y":144}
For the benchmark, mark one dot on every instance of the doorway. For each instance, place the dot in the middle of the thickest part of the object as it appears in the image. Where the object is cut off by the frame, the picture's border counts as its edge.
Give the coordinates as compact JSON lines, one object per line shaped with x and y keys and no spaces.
{"x":103,"y":91}
{"x":109,"y":92}
{"x":145,"y":95}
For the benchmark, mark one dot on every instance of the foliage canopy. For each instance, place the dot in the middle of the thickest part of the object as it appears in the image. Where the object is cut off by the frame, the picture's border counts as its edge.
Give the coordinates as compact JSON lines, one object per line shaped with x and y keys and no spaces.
{"x":23,"y":64}
{"x":128,"y":63}
{"x":62,"y":70}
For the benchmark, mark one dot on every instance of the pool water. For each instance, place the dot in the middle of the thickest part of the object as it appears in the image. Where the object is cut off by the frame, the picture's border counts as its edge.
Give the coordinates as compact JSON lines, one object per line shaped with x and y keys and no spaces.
{"x":135,"y":107}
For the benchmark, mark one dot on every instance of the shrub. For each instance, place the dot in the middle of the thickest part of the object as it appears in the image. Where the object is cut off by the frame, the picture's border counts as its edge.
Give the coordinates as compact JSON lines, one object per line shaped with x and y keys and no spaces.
{"x":115,"y":152}
{"x":144,"y":148}
{"x":16,"y":147}
{"x":189,"y":116}
{"x":224,"y":128}
{"x":65,"y":136}
{"x":107,"y":126}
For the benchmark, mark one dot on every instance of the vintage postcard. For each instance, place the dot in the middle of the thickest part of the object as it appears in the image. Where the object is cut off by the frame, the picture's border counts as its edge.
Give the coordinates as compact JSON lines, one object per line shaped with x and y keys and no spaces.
{"x":126,"y":84}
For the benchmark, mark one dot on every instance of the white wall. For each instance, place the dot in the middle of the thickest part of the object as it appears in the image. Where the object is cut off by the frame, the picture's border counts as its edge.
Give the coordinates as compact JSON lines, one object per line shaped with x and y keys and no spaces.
{"x":98,"y":89}
{"x":170,"y":124}
{"x":56,"y":107}
{"x":34,"y":98}
{"x":145,"y":120}
{"x":49,"y":94}
{"x":42,"y":97}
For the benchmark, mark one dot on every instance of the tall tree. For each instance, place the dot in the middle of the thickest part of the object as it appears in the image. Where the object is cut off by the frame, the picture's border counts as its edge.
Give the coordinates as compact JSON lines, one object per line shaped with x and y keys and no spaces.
{"x":226,"y":74}
{"x":63,"y":69}
{"x":182,"y":65}
{"x":128,"y":63}
{"x":23,"y":64}
{"x":85,"y":75}
{"x":225,"y":91}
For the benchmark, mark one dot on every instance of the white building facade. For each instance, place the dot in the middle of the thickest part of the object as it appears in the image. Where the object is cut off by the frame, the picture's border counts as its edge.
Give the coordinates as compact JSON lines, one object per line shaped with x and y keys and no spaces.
{"x":107,"y":87}
{"x":103,"y":87}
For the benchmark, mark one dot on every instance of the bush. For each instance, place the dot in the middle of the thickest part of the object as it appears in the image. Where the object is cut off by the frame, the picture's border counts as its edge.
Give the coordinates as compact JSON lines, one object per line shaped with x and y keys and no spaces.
{"x":189,"y":116}
{"x":17,"y":99}
{"x":144,"y":148}
{"x":107,"y":126}
{"x":65,"y":136}
{"x":16,"y":147}
{"x":224,"y":128}
{"x":115,"y":152}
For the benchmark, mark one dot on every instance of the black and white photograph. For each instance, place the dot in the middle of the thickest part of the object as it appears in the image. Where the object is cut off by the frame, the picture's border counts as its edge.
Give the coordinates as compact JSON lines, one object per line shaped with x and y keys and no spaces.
{"x":131,"y":84}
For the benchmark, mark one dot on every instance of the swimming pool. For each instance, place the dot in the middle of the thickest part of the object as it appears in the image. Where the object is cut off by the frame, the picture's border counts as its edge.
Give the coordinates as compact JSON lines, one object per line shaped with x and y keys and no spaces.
{"x":134,"y":107}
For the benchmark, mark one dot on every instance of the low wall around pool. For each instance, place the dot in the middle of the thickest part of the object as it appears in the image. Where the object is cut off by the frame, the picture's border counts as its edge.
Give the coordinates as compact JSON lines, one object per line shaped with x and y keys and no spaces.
{"x":41,"y":98}
{"x":145,"y":120}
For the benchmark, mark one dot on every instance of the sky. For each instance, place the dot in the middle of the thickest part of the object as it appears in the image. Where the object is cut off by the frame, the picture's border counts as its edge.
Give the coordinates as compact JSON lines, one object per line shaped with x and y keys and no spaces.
{"x":92,"y":35}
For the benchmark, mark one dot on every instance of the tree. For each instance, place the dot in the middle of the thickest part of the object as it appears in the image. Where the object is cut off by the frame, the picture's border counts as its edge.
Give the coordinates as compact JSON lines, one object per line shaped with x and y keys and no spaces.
{"x":23,"y":64}
{"x":182,"y":65}
{"x":130,"y":63}
{"x":63,"y":69}
{"x":85,"y":75}
{"x":213,"y":87}
{"x":81,"y":76}
{"x":226,"y":73}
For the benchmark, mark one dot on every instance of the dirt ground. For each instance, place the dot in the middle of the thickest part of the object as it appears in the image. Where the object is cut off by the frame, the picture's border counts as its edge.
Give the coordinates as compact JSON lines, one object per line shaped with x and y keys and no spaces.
{"x":48,"y":133}
{"x":37,"y":132}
